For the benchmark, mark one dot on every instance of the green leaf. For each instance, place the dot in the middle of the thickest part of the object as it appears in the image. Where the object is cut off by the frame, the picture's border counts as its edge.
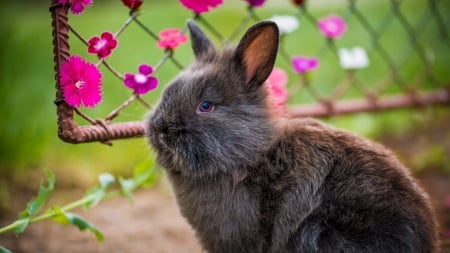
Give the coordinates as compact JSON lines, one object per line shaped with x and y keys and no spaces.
{"x":127,"y":187}
{"x":66,"y":218}
{"x":96,"y":194}
{"x":82,"y":224}
{"x":21,"y":225}
{"x":59,"y":216}
{"x":143,"y":167}
{"x":4,"y":250}
{"x":145,"y":174}
{"x":23,"y":214}
{"x":36,"y":203}
{"x":106,"y":180}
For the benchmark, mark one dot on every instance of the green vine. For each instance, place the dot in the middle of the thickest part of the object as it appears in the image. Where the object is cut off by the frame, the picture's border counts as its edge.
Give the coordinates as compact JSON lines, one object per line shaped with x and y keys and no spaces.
{"x":144,"y":175}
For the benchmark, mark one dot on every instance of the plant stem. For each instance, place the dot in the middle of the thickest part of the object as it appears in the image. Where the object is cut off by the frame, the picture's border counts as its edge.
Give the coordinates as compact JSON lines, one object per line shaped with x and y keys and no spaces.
{"x":11,"y":226}
{"x":50,"y":214}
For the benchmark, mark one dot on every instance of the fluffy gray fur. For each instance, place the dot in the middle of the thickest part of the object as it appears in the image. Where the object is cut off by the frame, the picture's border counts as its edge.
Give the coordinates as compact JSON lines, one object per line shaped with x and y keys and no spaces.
{"x":247,"y":182}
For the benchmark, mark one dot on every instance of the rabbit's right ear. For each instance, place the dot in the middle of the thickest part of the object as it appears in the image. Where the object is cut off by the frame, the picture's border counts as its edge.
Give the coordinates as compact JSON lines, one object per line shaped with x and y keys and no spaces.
{"x":257,"y":52}
{"x":200,"y":43}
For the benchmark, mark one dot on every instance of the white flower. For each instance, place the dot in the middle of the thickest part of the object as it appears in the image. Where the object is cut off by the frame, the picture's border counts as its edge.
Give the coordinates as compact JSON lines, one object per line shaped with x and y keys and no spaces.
{"x":285,"y":23}
{"x":355,"y":58}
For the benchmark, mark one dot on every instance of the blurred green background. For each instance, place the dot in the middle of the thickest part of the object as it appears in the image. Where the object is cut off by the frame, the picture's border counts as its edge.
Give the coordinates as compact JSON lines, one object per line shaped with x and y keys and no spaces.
{"x":28,"y":130}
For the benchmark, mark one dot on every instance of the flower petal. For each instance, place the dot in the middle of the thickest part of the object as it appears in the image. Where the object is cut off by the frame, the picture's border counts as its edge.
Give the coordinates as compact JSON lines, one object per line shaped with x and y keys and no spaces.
{"x":255,"y":3}
{"x":105,"y":52}
{"x":354,"y":58}
{"x":77,"y":8}
{"x":132,"y":4}
{"x":285,"y":23}
{"x":278,"y":77}
{"x":171,"y":38}
{"x":94,"y":40}
{"x":215,"y":3}
{"x":146,"y":87}
{"x":332,"y":26}
{"x":200,"y":6}
{"x":145,"y":69}
{"x":301,"y":64}
{"x":276,"y":84}
{"x":129,"y":81}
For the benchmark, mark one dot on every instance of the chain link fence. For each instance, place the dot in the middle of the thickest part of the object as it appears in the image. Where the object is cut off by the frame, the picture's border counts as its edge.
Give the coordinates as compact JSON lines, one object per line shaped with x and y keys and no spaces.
{"x":404,"y":62}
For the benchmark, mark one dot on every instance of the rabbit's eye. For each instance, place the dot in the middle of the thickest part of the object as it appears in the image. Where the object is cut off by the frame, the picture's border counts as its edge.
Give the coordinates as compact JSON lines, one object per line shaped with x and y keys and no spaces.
{"x":205,"y":107}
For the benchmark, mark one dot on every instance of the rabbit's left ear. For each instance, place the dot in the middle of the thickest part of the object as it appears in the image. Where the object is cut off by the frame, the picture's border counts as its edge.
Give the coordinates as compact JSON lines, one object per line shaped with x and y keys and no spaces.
{"x":257,"y":51}
{"x":201,"y":44}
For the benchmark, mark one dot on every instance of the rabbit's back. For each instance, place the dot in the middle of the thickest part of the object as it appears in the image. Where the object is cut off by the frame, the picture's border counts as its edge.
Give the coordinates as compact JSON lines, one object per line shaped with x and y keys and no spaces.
{"x":347,"y":194}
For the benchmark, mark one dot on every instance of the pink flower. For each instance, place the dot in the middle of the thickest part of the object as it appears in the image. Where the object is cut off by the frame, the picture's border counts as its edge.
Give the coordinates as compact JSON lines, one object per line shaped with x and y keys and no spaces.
{"x":255,"y":3}
{"x":102,"y":46}
{"x":277,"y":92}
{"x":171,"y":38}
{"x":200,"y":6}
{"x":77,"y":6}
{"x":302,"y":64}
{"x":132,"y":4}
{"x":142,"y":82}
{"x":80,"y":82}
{"x":332,"y":26}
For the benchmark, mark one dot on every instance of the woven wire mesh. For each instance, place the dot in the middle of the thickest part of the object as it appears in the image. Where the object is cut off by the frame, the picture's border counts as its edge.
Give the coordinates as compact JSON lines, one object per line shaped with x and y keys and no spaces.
{"x":408,"y":61}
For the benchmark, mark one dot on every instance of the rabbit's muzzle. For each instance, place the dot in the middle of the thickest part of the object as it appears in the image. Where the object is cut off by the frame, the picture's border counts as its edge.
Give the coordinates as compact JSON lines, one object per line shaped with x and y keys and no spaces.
{"x":162,"y":134}
{"x":157,"y":133}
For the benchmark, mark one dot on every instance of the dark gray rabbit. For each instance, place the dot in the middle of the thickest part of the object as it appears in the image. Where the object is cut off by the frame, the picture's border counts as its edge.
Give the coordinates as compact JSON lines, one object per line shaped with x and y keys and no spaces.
{"x":248,"y":182}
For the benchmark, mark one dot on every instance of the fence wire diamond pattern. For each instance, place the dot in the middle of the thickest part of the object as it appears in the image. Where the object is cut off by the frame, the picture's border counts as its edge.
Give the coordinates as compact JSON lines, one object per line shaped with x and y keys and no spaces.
{"x":408,"y":69}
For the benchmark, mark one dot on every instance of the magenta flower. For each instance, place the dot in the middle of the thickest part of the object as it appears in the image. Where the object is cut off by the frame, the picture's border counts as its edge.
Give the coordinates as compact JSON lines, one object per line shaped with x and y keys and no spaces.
{"x":142,"y":82}
{"x":171,"y":38}
{"x":77,"y":6}
{"x":332,"y":26}
{"x":255,"y":3}
{"x":132,"y":4}
{"x":80,"y":82}
{"x":277,"y":92}
{"x":200,"y":6}
{"x":302,"y":64}
{"x":102,"y":46}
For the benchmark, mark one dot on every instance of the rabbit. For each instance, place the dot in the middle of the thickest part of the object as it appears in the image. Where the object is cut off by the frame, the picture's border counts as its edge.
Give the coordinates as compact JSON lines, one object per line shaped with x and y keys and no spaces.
{"x":247,"y":181}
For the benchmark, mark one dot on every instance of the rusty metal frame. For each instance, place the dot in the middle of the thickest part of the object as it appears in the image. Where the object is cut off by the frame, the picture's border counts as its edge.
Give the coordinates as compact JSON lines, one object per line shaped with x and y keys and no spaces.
{"x":68,"y":130}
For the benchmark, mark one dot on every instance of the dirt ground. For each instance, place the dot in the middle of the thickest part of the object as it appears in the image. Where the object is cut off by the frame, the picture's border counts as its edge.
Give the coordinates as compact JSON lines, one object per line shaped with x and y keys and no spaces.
{"x":152,"y":223}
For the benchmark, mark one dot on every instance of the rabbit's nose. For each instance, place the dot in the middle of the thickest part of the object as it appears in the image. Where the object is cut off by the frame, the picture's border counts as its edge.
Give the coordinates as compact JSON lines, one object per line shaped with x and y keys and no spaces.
{"x":157,"y":131}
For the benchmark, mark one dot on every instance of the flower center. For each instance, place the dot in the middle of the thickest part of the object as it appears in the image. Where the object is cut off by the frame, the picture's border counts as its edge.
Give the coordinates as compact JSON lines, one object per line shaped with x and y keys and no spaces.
{"x":303,"y":65}
{"x":100,"y":44}
{"x":140,"y":78}
{"x":80,"y":84}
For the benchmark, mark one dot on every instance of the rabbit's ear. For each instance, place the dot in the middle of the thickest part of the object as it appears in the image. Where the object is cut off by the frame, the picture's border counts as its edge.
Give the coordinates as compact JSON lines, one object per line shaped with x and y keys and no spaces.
{"x":200,"y":43}
{"x":257,"y":51}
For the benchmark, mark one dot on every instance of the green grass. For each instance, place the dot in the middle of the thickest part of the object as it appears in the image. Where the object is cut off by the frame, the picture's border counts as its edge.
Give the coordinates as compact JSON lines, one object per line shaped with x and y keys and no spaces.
{"x":28,"y":129}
